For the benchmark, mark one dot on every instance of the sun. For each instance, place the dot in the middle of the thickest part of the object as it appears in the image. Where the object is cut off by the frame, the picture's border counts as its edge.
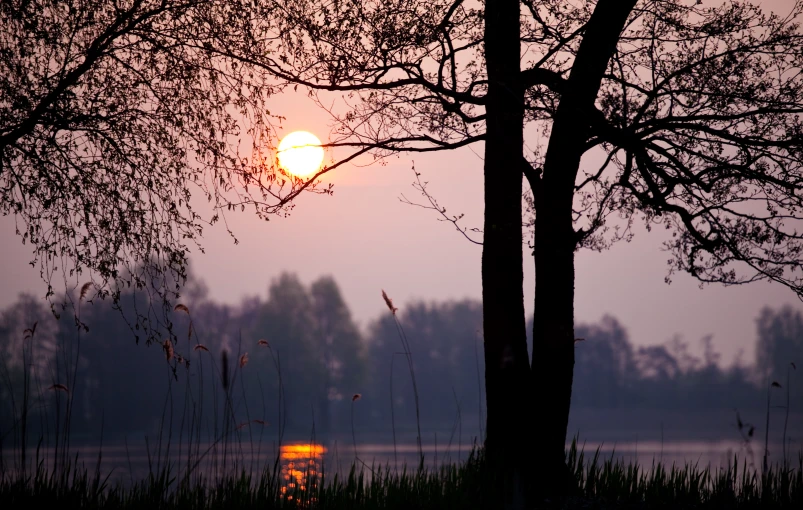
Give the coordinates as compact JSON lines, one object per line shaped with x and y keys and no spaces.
{"x":300,"y":153}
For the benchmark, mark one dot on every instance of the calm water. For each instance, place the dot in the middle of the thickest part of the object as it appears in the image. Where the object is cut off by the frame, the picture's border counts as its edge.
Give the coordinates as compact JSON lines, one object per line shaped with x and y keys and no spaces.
{"x":133,"y":462}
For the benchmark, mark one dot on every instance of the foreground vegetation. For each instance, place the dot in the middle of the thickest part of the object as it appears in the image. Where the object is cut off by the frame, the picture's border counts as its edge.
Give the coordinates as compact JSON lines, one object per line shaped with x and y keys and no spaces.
{"x":597,"y":483}
{"x":201,"y":406}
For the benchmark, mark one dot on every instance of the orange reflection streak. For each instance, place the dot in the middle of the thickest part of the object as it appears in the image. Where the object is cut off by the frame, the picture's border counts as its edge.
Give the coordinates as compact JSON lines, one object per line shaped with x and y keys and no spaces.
{"x":300,"y":463}
{"x":307,"y":449}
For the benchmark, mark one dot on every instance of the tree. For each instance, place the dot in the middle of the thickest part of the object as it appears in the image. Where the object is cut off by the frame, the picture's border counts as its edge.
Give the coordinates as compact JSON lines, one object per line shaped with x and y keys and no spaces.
{"x":691,"y":112}
{"x":340,"y":351}
{"x":688,"y":112}
{"x":441,"y":338}
{"x":115,"y":118}
{"x":780,"y":346}
{"x":317,"y":346}
{"x":27,"y":347}
{"x":605,"y":366}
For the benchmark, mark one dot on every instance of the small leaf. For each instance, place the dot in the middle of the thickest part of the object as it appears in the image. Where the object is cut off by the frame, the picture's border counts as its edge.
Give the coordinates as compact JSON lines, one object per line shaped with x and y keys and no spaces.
{"x":181,"y":307}
{"x":357,"y":396}
{"x":59,"y":387}
{"x":775,"y":384}
{"x":200,"y":347}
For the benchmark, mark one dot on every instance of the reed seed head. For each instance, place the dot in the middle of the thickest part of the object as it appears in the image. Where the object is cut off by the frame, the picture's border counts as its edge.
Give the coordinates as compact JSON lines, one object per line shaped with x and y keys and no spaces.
{"x":389,"y":302}
{"x":168,"y":348}
{"x":84,"y":289}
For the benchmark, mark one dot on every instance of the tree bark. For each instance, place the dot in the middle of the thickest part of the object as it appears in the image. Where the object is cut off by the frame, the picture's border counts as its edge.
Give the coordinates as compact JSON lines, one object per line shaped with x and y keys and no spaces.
{"x":506,"y":363}
{"x":556,"y":241}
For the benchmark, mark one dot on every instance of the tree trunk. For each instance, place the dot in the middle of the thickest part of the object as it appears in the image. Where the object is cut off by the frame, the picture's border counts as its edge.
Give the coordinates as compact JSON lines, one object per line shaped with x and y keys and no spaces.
{"x":553,"y":334}
{"x":506,"y":363}
{"x":556,"y":241}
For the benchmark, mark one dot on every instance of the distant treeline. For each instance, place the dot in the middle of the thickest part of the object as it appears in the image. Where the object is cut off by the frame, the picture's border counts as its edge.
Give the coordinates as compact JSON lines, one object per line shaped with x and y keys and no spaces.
{"x":307,"y":360}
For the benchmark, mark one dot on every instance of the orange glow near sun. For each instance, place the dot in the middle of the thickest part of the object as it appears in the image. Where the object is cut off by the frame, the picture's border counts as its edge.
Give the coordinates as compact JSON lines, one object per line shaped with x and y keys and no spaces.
{"x":300,"y":153}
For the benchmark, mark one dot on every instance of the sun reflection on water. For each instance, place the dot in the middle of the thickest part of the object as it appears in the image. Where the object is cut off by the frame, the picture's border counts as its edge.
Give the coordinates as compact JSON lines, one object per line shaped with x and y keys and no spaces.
{"x":300,"y":467}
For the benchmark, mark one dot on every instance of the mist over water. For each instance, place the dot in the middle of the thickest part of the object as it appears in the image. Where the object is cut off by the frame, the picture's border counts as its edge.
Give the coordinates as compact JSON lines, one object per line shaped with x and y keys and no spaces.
{"x":300,"y":372}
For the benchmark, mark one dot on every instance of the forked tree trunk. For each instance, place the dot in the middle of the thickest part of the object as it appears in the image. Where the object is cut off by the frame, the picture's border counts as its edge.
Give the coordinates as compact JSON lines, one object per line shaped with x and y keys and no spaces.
{"x":555,"y":242}
{"x":506,"y":363}
{"x":512,"y":389}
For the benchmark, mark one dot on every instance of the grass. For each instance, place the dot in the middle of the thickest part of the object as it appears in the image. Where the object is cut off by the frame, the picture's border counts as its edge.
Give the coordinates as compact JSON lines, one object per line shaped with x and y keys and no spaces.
{"x":600,"y":483}
{"x":34,"y":482}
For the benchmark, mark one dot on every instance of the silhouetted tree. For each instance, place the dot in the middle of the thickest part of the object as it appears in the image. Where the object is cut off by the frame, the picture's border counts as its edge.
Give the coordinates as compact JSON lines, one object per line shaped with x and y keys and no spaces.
{"x":693,"y":111}
{"x":112,"y":116}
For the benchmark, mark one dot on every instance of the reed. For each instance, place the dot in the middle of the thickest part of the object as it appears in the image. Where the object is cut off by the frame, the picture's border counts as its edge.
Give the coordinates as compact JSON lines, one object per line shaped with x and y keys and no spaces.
{"x":598,"y":483}
{"x":467,"y":484}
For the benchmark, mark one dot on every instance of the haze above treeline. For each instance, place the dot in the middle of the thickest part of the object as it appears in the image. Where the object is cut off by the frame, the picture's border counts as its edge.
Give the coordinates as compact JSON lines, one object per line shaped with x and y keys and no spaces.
{"x":325,"y":360}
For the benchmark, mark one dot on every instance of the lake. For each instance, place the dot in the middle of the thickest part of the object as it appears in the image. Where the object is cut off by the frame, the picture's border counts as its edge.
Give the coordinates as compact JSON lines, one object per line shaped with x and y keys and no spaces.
{"x":707,"y":439}
{"x":133,"y":462}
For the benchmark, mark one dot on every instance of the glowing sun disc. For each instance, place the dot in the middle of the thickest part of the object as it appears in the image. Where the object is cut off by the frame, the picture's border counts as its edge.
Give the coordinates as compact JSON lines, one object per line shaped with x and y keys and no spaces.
{"x":300,"y":153}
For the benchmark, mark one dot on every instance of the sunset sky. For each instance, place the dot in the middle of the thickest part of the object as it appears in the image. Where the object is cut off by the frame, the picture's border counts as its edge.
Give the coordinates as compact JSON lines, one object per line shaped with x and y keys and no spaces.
{"x":368,"y":240}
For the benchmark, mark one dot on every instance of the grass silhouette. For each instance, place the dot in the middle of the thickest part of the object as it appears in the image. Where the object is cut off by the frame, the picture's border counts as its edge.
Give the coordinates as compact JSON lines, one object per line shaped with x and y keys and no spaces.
{"x":198,"y":480}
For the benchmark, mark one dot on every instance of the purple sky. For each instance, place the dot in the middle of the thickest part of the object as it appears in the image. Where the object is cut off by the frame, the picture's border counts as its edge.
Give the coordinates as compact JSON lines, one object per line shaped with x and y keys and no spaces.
{"x":368,"y":240}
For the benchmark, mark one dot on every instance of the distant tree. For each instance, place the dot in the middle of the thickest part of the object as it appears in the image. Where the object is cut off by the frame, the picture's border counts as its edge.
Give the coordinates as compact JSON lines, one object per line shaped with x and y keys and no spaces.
{"x":656,"y":362}
{"x":681,"y":113}
{"x":27,"y":348}
{"x":115,"y":119}
{"x":780,"y":344}
{"x":605,"y":366}
{"x":23,"y":315}
{"x":442,"y":340}
{"x":340,"y":350}
{"x":320,"y":351}
{"x":119,"y":383}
